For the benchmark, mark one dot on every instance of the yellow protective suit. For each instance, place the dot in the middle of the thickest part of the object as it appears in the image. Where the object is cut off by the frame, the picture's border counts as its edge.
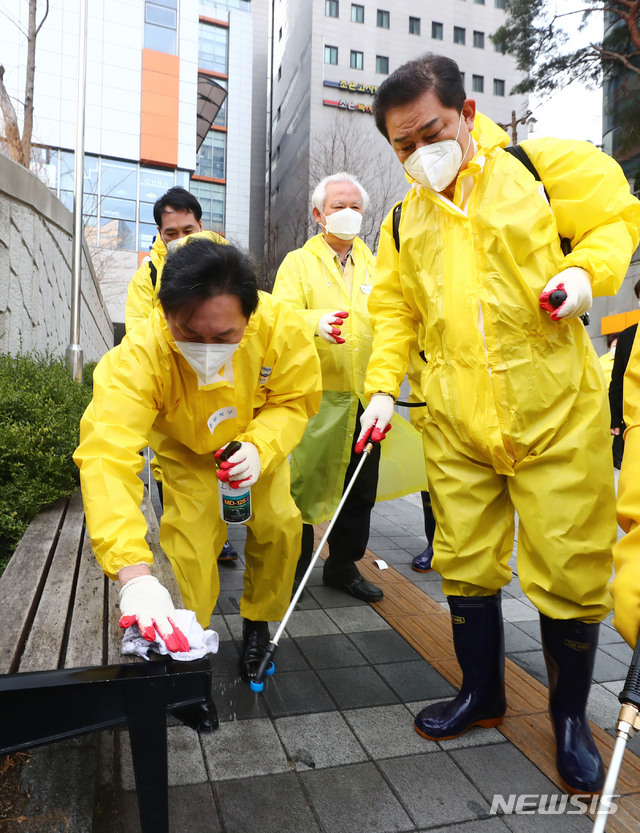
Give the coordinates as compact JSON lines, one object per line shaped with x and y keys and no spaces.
{"x":517,"y":414}
{"x":142,"y":295}
{"x":607,"y":366}
{"x":626,"y":553}
{"x":310,"y":280}
{"x":146,"y":393}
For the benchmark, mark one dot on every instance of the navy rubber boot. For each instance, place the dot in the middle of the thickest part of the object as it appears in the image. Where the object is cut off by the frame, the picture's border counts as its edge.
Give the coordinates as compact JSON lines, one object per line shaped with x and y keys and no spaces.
{"x":227,"y":553}
{"x":478,"y":637}
{"x":422,"y":563}
{"x":569,"y":648}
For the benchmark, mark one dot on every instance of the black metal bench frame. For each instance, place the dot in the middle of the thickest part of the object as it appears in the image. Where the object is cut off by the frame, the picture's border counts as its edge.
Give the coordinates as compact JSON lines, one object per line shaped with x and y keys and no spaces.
{"x":61,"y":612}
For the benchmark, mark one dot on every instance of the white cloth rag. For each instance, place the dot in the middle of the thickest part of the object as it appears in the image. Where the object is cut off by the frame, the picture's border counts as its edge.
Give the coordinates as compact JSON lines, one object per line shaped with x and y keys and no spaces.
{"x":201,"y":642}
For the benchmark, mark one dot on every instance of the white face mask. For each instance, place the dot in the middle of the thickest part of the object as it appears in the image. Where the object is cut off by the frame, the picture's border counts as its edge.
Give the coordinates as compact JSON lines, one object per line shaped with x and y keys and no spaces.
{"x":172,"y":245}
{"x":435,"y":166}
{"x":206,"y":359}
{"x":344,"y":224}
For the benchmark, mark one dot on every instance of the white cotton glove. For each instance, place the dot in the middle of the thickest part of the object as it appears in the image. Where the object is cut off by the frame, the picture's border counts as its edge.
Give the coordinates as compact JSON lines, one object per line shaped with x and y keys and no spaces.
{"x":143,"y":600}
{"x":242,"y":468}
{"x":576,"y":283}
{"x":329,"y":326}
{"x":376,"y":420}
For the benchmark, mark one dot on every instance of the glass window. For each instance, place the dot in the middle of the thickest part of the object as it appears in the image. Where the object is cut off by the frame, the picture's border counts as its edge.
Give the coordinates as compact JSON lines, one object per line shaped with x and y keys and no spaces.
{"x":498,"y":86}
{"x":478,"y":40}
{"x":382,"y":64}
{"x":477,"y":83}
{"x":357,"y":13}
{"x":160,"y":16}
{"x":436,"y":30}
{"x":119,"y":179}
{"x":118,"y":234}
{"x":498,"y":47}
{"x":90,"y":184}
{"x":160,"y":21}
{"x":211,"y":197}
{"x":356,"y":59}
{"x":118,"y":209}
{"x":212,"y":47}
{"x":145,"y":212}
{"x":331,"y":54}
{"x":479,"y":2}
{"x":146,"y":235}
{"x":210,"y":160}
{"x":383,"y":19}
{"x":221,"y":119}
{"x":331,"y":8}
{"x":500,"y":4}
{"x":154,"y":182}
{"x":414,"y":25}
{"x":459,"y":34}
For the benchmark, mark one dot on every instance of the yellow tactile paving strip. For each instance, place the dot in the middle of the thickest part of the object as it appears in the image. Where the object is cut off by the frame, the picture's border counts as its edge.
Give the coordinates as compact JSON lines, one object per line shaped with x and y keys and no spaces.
{"x":427,"y":627}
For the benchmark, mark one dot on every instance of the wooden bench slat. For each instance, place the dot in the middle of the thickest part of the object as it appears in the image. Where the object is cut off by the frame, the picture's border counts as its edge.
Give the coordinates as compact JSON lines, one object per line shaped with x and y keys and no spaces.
{"x":22,"y":578}
{"x":85,"y":642}
{"x":162,"y":570}
{"x":46,"y":636}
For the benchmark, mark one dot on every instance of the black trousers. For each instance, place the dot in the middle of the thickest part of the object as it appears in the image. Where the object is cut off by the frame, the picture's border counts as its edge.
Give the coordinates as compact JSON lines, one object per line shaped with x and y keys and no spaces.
{"x":350,"y":534}
{"x":429,"y":520}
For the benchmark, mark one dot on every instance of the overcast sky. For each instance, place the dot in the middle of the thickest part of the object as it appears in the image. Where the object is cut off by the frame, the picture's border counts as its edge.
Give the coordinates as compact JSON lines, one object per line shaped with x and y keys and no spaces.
{"x":573,"y":112}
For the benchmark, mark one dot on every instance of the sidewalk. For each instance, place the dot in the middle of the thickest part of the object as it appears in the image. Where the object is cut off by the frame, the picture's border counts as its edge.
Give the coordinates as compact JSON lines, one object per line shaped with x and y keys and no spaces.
{"x":330,"y":746}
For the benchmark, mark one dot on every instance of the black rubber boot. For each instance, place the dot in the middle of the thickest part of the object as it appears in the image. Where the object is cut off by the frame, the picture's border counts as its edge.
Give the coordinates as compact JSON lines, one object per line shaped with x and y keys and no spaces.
{"x":569,"y":648}
{"x":478,"y":637}
{"x":256,"y":641}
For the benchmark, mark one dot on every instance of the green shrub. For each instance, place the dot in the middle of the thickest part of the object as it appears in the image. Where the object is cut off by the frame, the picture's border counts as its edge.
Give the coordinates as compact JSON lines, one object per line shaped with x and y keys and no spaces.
{"x":40,"y":410}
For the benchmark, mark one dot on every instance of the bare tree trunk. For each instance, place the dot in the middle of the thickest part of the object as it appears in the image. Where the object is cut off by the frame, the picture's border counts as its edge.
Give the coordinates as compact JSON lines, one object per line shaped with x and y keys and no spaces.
{"x":20,"y":148}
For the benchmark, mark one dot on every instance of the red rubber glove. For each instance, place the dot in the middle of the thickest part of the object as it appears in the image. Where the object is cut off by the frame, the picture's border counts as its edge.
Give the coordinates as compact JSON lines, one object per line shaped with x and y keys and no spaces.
{"x":145,"y":602}
{"x":375,"y":421}
{"x":329,"y":326}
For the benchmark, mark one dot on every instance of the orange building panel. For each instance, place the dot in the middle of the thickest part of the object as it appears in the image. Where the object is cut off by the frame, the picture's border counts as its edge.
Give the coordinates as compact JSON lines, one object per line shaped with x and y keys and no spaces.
{"x":618,"y":323}
{"x":159,"y":108}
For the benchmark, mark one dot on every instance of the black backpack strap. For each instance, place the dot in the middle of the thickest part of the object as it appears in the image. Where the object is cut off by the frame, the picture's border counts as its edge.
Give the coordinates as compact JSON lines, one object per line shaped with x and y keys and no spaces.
{"x":521,"y":155}
{"x":153,"y":273}
{"x":397,"y":213}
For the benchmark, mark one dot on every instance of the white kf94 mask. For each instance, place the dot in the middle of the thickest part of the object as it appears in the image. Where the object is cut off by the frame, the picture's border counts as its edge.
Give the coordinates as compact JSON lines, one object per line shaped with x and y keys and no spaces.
{"x":344,"y":224}
{"x":206,"y":359}
{"x":435,"y":166}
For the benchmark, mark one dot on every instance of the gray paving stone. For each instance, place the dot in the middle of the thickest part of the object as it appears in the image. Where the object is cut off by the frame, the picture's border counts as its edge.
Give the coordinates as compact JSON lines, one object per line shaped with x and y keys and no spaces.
{"x":219,"y":625}
{"x":517,"y":640}
{"x":494,"y":825}
{"x":387,"y":731}
{"x":618,"y":650}
{"x":413,"y":544}
{"x":182,"y":817}
{"x":288,"y":657}
{"x":532,"y":628}
{"x":516,"y":610}
{"x":231,"y":576}
{"x":269,"y":804}
{"x":434,"y":790}
{"x":356,"y":619}
{"x":234,"y":700}
{"x":603,"y":707}
{"x":383,"y":646}
{"x":476,"y":736}
{"x":533,"y":663}
{"x":331,"y":651}
{"x":228,"y":602}
{"x":315,"y":741}
{"x":244,"y":750}
{"x":310,"y":623}
{"x":609,"y":635}
{"x":354,"y":799}
{"x":354,"y":688}
{"x":296,"y":692}
{"x":225,"y":661}
{"x":186,"y":765}
{"x":608,"y":668}
{"x":504,"y":770}
{"x":414,"y":679}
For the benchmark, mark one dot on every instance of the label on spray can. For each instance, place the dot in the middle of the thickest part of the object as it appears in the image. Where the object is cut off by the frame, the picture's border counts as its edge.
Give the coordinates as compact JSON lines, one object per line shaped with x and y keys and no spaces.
{"x":235,"y":504}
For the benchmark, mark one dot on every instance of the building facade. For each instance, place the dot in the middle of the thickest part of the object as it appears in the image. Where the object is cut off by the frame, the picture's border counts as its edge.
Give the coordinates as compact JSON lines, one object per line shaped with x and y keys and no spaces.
{"x":144,"y":62}
{"x":328,"y":58}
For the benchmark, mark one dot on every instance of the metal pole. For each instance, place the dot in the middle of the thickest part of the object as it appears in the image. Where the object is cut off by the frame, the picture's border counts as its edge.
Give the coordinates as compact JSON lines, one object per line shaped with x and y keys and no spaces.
{"x":74,"y":351}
